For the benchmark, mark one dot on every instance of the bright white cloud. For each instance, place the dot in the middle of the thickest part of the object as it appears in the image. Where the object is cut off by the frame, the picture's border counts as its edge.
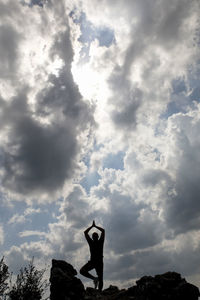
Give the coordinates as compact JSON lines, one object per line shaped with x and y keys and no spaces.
{"x":31,"y":232}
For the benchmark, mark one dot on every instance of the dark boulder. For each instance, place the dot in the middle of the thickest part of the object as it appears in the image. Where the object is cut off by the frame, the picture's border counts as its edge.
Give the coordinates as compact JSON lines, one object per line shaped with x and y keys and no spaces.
{"x":64,"y":284}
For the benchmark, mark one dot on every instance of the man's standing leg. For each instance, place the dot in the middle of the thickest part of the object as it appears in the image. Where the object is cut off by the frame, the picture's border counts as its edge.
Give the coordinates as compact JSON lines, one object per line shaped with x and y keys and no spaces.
{"x":99,"y":270}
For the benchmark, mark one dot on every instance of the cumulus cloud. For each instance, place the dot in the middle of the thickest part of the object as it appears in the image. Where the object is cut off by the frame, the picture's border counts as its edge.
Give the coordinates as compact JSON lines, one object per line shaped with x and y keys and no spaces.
{"x":183,"y":206}
{"x":19,"y":256}
{"x":41,"y":125}
{"x":65,"y":236}
{"x":15,"y":259}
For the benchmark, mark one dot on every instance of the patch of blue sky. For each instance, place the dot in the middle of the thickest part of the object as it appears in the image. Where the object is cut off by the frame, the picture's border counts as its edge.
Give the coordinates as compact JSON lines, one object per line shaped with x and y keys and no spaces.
{"x":172,"y":108}
{"x":181,"y":99}
{"x":91,"y":179}
{"x":89,"y":33}
{"x":33,"y":221}
{"x":31,"y":3}
{"x":178,"y":86}
{"x":86,"y":158}
{"x":194,"y":83}
{"x":114,"y":161}
{"x":111,"y":161}
{"x":5,"y":210}
{"x":13,"y":235}
{"x":98,"y":146}
{"x":195,"y":94}
{"x":158,"y":154}
{"x":37,"y":2}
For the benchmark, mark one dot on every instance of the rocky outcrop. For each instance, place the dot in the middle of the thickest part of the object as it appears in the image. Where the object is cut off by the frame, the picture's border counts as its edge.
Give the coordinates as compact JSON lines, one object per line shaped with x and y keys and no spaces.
{"x":168,"y":286}
{"x":64,"y":284}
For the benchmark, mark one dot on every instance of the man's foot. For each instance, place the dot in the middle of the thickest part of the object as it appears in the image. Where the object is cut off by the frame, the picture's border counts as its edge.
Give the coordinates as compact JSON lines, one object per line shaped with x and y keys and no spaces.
{"x":96,"y":281}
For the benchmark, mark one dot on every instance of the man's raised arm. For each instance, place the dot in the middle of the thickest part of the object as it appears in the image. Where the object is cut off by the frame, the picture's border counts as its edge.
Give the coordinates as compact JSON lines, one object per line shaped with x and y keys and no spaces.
{"x":88,"y":238}
{"x":101,"y":229}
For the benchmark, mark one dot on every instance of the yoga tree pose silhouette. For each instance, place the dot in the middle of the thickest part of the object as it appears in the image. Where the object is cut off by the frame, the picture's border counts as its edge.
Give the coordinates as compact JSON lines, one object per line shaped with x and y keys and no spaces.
{"x":96,"y":256}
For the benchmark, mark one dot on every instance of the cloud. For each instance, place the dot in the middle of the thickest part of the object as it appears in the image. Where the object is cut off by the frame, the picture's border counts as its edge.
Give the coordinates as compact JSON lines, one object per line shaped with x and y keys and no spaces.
{"x":156,"y":260}
{"x":19,"y":257}
{"x":41,"y":125}
{"x":44,"y":155}
{"x":183,"y":206}
{"x":77,"y":199}
{"x":1,"y":235}
{"x":31,"y":232}
{"x":17,"y":219}
{"x":9,"y":41}
{"x":126,"y":101}
{"x":66,"y":234}
{"x":130,"y":224}
{"x":15,"y":259}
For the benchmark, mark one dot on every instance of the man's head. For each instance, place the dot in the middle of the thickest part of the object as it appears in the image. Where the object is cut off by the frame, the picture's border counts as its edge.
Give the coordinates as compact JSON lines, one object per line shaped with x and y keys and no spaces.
{"x":95,"y":236}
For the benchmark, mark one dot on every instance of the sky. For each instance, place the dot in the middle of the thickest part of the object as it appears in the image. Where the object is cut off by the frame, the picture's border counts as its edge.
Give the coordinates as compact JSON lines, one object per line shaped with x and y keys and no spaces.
{"x":100,"y":120}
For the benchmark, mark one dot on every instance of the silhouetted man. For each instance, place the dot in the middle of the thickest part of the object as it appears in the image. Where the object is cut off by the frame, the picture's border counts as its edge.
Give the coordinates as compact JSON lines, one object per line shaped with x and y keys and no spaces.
{"x":96,"y":256}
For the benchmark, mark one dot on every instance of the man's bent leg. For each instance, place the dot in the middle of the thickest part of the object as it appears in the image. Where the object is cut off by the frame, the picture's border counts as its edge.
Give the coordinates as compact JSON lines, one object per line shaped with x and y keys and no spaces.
{"x":85,"y":270}
{"x":99,"y":270}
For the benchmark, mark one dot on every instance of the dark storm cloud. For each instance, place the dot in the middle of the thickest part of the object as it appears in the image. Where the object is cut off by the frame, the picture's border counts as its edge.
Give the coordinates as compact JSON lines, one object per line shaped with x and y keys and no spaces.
{"x":44,"y":155}
{"x":63,"y":98}
{"x":40,"y":156}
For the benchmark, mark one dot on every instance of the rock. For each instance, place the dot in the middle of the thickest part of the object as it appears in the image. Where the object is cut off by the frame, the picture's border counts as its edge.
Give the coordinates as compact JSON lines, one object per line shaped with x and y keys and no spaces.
{"x":64,"y":284}
{"x":111,"y":290}
{"x":92,"y":293}
{"x":168,"y":286}
{"x":187,"y":291}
